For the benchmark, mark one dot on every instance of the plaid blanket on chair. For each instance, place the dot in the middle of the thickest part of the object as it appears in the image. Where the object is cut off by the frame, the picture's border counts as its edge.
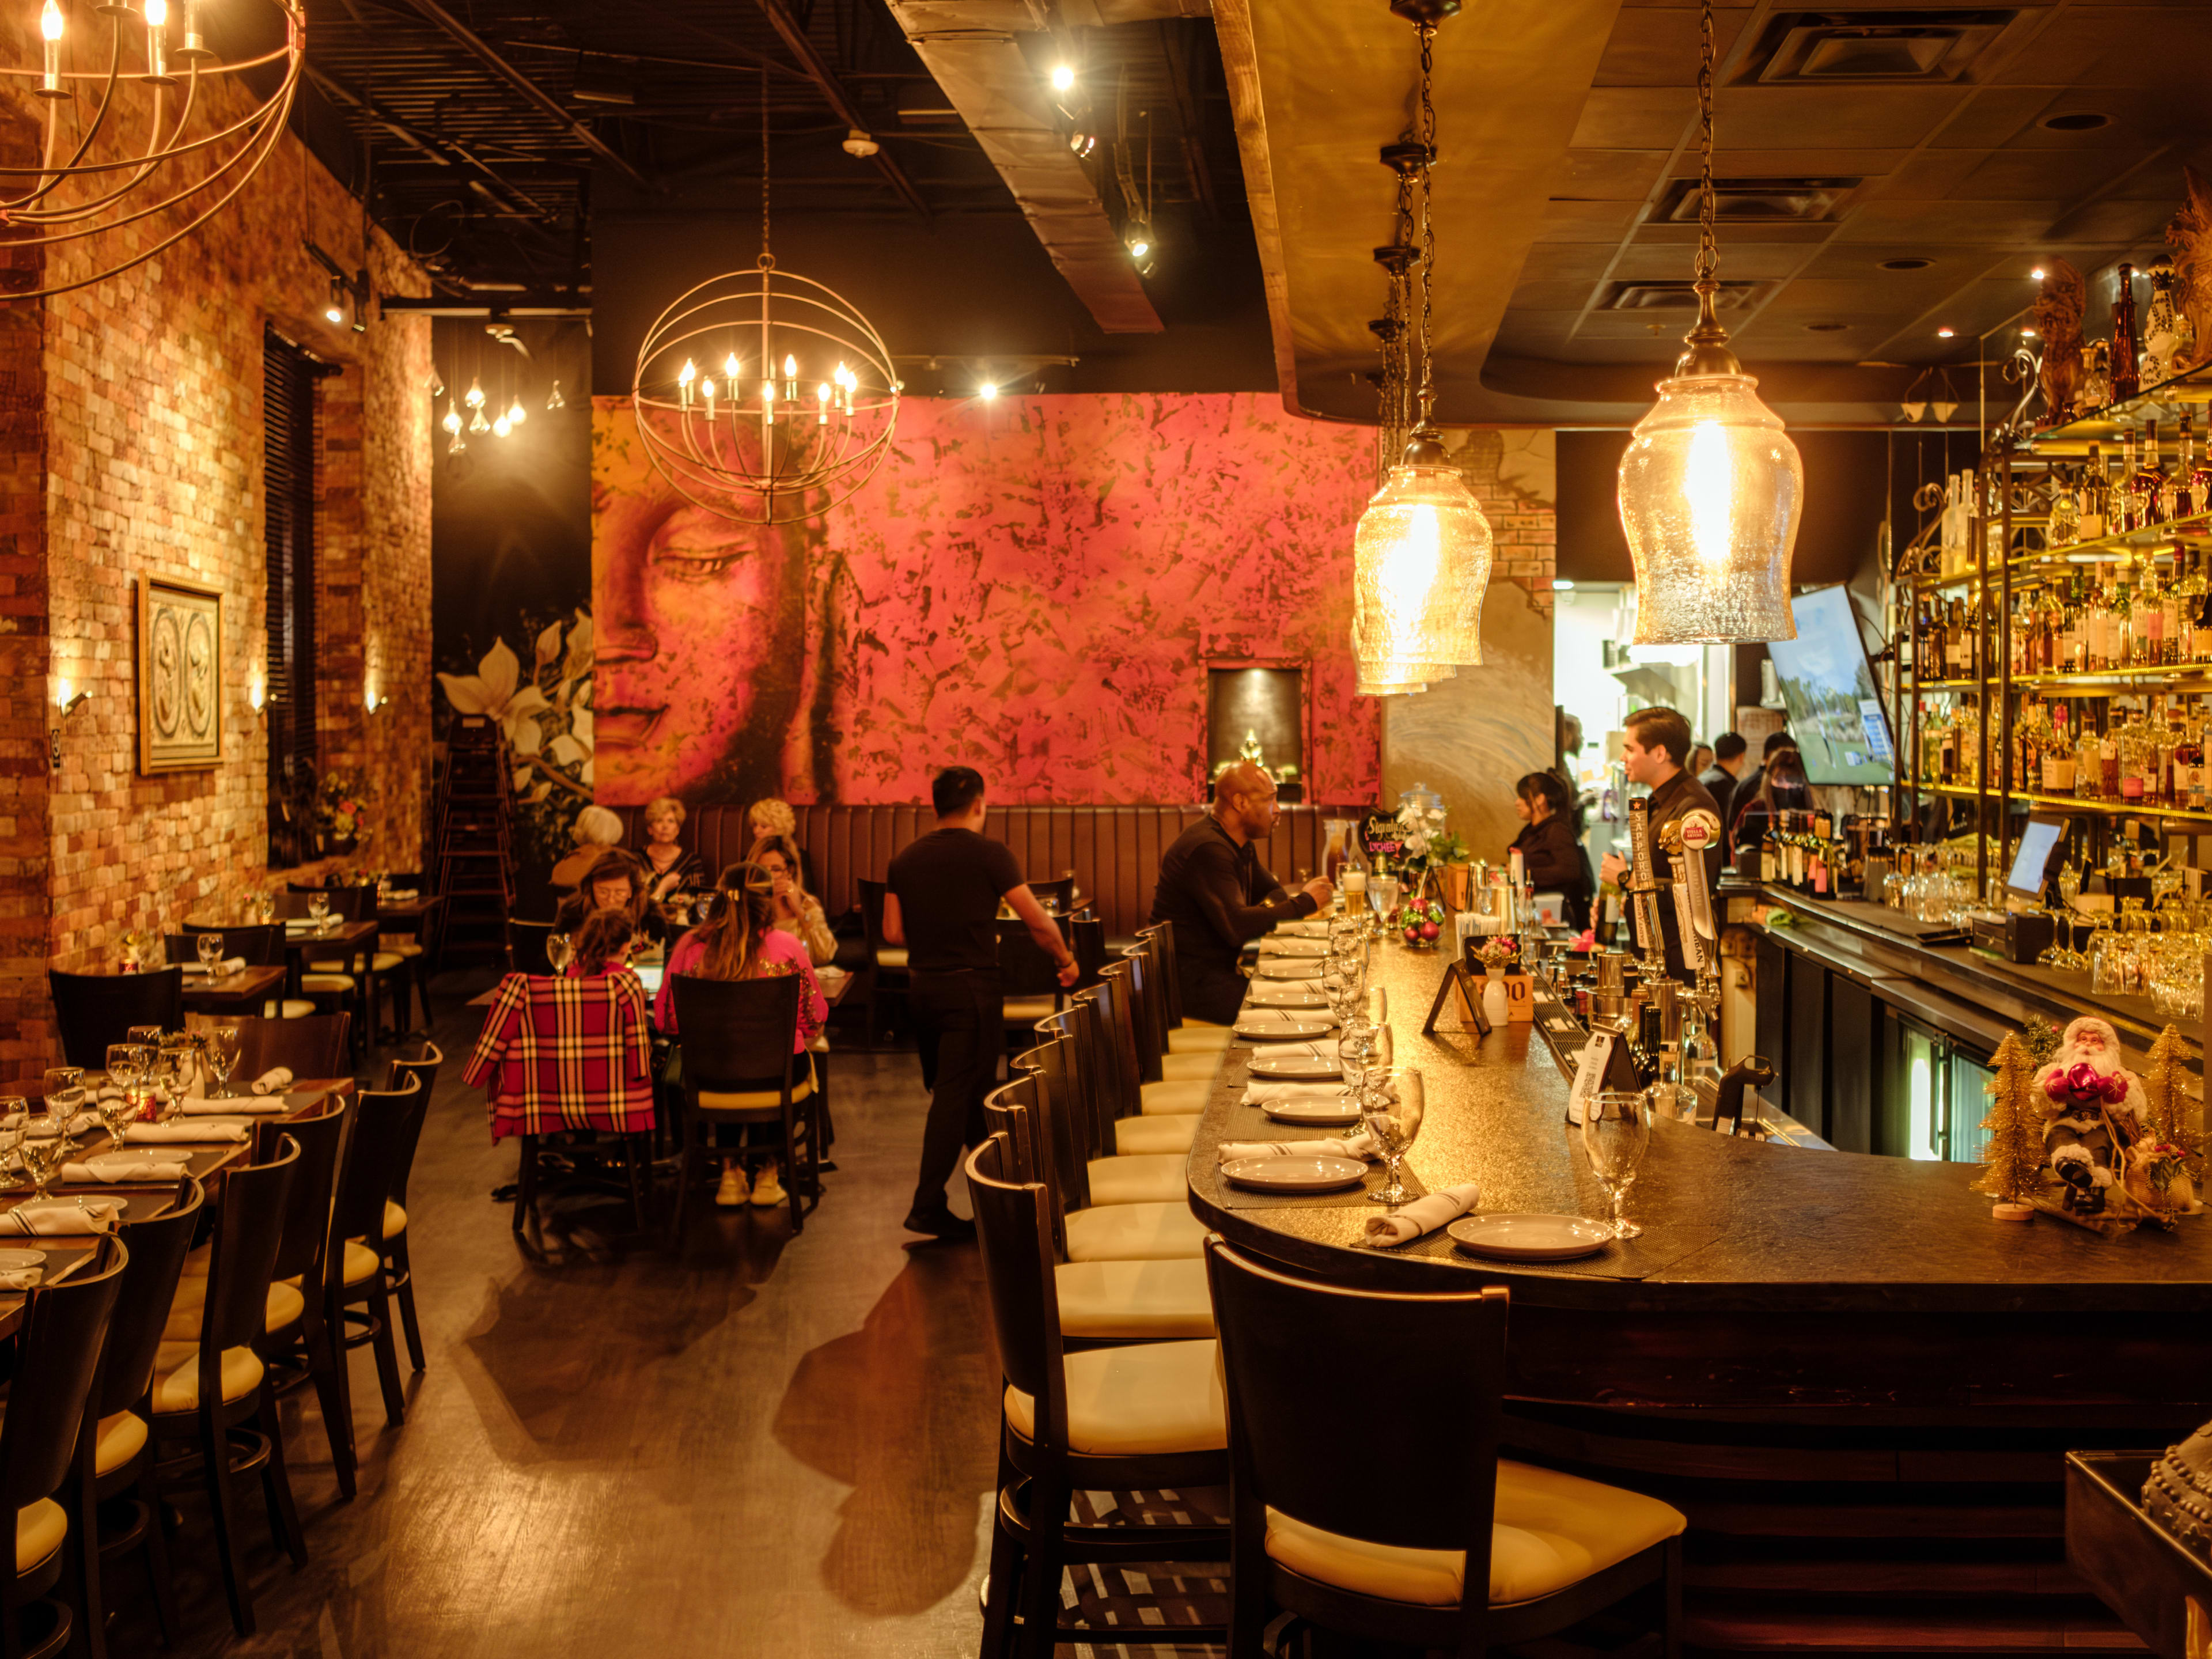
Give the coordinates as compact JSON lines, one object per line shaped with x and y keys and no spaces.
{"x":565,"y":1054}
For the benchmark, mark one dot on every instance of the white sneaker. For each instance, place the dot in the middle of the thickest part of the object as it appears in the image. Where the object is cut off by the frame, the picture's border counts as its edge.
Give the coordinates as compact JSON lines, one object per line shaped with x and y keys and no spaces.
{"x":731,"y":1193}
{"x":767,"y":1191}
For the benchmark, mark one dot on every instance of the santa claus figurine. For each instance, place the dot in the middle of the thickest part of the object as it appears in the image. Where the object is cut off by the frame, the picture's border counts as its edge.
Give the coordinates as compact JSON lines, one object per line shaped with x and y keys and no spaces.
{"x":2095,"y":1111}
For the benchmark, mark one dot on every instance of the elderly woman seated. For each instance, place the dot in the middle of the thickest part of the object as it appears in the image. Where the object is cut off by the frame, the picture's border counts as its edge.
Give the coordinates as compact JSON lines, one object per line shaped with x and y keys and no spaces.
{"x":616,"y":881}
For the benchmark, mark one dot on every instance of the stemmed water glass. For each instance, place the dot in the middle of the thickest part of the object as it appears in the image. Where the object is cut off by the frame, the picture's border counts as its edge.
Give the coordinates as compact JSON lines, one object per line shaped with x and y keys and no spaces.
{"x":1616,"y":1129}
{"x":221,"y":1058}
{"x":128,"y":1063}
{"x":1391,"y":1105}
{"x":44,"y":1146}
{"x":14,"y":1113}
{"x":318,"y":909}
{"x":64,"y":1092}
{"x":210,"y":947}
{"x":557,"y":952}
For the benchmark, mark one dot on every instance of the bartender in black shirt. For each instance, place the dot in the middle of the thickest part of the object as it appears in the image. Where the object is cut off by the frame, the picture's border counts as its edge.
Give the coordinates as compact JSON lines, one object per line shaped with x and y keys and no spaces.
{"x":1220,"y":897}
{"x":1657,"y":744}
{"x":943,"y":905}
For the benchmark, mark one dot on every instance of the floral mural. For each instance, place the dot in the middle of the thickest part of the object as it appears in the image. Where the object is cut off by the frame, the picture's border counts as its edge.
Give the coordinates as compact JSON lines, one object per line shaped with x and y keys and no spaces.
{"x":547,"y":720}
{"x":1036,"y":587}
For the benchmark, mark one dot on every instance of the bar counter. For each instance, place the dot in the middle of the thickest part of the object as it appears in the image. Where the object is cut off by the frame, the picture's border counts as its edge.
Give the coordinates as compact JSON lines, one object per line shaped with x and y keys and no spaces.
{"x":1829,"y":1360}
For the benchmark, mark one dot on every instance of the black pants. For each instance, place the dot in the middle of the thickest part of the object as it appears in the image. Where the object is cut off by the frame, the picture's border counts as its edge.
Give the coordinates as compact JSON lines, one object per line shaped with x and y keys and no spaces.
{"x":1210,"y":991}
{"x":959,"y":1022}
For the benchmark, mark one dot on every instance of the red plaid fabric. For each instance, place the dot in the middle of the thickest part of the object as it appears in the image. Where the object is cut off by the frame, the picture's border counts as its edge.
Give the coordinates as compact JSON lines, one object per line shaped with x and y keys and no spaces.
{"x":565,"y":1054}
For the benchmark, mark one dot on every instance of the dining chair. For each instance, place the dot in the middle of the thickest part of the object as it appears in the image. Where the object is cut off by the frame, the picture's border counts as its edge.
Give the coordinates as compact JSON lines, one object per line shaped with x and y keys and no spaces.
{"x":1133,"y":1418}
{"x":1087,"y":937}
{"x":738,"y":1068}
{"x":1465,"y":1553}
{"x":1124,"y":1127}
{"x":64,"y":1332}
{"x":408,"y":939}
{"x":91,"y":1010}
{"x":1030,"y":980}
{"x":311,"y":1046}
{"x":356,"y":1292}
{"x":1182,"y":1034}
{"x":115,"y":1447}
{"x":398,"y":1264}
{"x":212,"y":1395}
{"x":1148,"y":1026}
{"x":888,"y":977}
{"x":261,"y":946}
{"x":1153,"y":1231}
{"x":338,"y":983}
{"x":1124,"y":1029}
{"x":1111,"y":1176}
{"x":1057,"y":896}
{"x":526,"y":947}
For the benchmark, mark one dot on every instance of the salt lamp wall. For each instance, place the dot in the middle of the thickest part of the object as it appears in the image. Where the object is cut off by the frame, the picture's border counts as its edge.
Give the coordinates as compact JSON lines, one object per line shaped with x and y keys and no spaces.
{"x":1035,"y":586}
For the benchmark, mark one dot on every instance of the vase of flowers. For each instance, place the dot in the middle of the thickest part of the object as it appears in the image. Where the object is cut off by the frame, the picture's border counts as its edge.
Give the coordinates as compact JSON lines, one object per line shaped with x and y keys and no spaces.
{"x":342,"y":813}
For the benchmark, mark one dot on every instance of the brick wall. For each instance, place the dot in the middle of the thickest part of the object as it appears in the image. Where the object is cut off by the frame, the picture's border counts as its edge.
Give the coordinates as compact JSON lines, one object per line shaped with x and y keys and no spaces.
{"x":1511,"y":474}
{"x":148,"y":414}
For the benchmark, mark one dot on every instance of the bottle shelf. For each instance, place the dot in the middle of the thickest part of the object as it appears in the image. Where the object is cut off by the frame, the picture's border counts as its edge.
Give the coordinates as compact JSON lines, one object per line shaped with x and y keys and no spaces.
{"x":2083,"y":804}
{"x":2194,"y":527}
{"x":2165,"y":402}
{"x":2095,"y":683}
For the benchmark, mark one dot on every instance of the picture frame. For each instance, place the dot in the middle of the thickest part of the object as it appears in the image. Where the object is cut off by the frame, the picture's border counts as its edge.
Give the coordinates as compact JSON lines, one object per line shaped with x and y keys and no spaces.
{"x":180,"y":675}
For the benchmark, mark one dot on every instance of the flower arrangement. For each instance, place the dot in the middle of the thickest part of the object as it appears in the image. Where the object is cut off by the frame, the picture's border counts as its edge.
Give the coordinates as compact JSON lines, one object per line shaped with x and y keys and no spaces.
{"x":1422,"y":842}
{"x":342,"y":808}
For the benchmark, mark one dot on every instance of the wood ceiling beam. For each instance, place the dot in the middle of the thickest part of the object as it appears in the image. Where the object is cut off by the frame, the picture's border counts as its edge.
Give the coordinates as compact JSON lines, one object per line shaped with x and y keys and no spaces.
{"x":531,"y":92}
{"x":833,"y":92}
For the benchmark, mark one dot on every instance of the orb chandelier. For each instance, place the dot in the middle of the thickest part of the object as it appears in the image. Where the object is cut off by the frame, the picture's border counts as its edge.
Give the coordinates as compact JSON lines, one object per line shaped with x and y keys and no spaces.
{"x":1421,"y":554}
{"x":1710,"y":486}
{"x":110,"y":158}
{"x":761,"y":396}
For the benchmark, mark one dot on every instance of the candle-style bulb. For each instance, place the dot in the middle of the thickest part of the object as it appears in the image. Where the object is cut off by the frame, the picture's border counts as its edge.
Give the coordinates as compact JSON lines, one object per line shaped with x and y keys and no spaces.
{"x":50,"y":20}
{"x":790,"y":368}
{"x":768,"y":392}
{"x":688,"y":374}
{"x":822,"y":405}
{"x":157,"y":13}
{"x":730,"y":368}
{"x":706,"y":390}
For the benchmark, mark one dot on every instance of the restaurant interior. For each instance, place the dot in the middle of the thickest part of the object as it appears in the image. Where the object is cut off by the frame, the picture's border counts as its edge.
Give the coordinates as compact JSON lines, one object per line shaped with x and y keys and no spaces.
{"x":860,"y":699}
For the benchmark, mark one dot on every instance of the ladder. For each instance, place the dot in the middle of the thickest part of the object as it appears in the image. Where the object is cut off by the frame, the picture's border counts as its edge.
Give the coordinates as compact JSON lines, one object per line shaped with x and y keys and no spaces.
{"x":475,"y":839}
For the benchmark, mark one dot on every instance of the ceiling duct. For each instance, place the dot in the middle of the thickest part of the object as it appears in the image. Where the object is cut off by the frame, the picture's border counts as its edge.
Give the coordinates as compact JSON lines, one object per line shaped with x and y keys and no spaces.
{"x":1758,"y":201}
{"x":971,"y":49}
{"x":1679,"y":296}
{"x":1862,"y":48}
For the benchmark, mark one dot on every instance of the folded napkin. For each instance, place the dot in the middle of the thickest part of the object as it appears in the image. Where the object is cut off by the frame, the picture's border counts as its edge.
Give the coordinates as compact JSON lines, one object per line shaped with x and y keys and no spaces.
{"x":1293,"y":968}
{"x":273,"y":1081}
{"x":1299,"y":1050}
{"x":1423,"y":1215}
{"x":251,"y":1105}
{"x":1276,"y":1094}
{"x":23,"y":1279}
{"x":1263,"y":1017}
{"x":1361,"y":1145}
{"x":77,"y":1215}
{"x":206,"y":1130}
{"x":403,"y":895}
{"x":228,"y":965}
{"x":115,"y":1168}
{"x":1308,"y":929}
{"x":1265,"y":993}
{"x":1272,"y":946}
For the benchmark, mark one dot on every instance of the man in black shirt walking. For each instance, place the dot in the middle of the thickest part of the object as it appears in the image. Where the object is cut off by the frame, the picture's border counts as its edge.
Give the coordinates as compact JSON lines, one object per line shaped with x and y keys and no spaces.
{"x":943,"y":905}
{"x":1220,"y":897}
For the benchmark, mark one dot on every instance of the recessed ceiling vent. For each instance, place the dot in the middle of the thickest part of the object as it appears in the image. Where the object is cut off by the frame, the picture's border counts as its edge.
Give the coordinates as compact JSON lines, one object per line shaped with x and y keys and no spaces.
{"x":1862,"y":48}
{"x":1679,"y":296}
{"x":1757,"y":201}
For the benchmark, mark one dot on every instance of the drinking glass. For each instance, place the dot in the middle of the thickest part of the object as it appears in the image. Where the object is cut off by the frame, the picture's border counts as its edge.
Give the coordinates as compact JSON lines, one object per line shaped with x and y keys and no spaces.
{"x":1386,"y":890}
{"x":14,"y":1113}
{"x":557,"y":952}
{"x":1392,"y":1107}
{"x":44,"y":1146}
{"x":318,"y":909}
{"x":1616,"y":1129}
{"x":210,"y":947}
{"x":222,"y":1058}
{"x":264,"y":908}
{"x":151,"y":1036}
{"x":128,"y":1065}
{"x":65,"y":1090}
{"x":172,"y":1059}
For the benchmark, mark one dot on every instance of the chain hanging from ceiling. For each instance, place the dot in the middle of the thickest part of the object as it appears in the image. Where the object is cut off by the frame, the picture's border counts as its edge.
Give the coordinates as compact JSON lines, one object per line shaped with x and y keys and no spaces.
{"x":90,"y":181}
{"x":796,"y":403}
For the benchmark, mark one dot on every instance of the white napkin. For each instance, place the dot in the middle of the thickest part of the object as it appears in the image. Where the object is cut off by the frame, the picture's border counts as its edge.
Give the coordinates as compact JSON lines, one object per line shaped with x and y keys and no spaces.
{"x":1307,"y":929}
{"x":79,"y":1215}
{"x":1361,"y":1145}
{"x":1272,"y":946}
{"x":1292,"y":968}
{"x":1297,"y":1050}
{"x":1268,"y":994}
{"x":112,"y":1169}
{"x":249,"y":1104}
{"x":274,"y":1081}
{"x":1423,"y":1215}
{"x":1263,"y":1018}
{"x":228,"y":965}
{"x":1277,"y":1094}
{"x":206,"y":1130}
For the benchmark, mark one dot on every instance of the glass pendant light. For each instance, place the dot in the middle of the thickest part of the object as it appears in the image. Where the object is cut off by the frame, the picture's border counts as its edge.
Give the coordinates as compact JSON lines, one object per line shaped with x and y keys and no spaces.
{"x":1421,"y":554}
{"x":1710,"y":486}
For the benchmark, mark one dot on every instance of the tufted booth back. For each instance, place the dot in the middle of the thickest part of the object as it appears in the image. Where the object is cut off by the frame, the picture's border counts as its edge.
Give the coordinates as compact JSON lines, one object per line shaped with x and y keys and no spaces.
{"x":1114,"y":851}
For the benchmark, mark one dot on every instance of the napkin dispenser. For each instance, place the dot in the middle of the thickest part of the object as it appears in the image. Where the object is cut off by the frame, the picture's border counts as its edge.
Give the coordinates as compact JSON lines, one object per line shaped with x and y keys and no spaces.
{"x":2016,"y":936}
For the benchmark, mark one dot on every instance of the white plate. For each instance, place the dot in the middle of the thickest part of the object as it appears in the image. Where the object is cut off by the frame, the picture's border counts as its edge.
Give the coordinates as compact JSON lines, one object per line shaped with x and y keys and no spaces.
{"x":1289,"y":1029}
{"x":1321,"y":1173}
{"x":1294,"y":1065}
{"x":16,"y":1261}
{"x":1284,"y":996}
{"x":1521,"y":1238}
{"x":1288,"y":968}
{"x":1321,"y":1114}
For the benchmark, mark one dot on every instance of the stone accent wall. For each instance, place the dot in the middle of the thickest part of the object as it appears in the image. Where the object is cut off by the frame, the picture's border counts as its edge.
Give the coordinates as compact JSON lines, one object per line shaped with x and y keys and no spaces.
{"x":141,"y":450}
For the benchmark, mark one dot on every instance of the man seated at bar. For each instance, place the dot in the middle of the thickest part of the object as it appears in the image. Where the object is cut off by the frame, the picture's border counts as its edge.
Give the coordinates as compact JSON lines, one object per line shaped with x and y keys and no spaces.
{"x":1220,"y":897}
{"x":1658,"y":742}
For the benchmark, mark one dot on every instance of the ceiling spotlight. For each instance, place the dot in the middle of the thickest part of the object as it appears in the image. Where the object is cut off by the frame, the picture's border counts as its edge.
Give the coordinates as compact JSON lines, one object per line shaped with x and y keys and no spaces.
{"x":335,"y":311}
{"x":452,"y":421}
{"x":500,"y":427}
{"x":1063,"y":77}
{"x":1945,"y":333}
{"x":516,"y":414}
{"x":858,"y":142}
{"x":1136,"y":237}
{"x":988,"y":391}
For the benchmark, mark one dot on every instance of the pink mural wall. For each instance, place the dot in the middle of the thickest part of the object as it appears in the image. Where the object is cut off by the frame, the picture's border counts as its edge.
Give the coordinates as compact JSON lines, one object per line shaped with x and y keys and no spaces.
{"x":1034,"y":587}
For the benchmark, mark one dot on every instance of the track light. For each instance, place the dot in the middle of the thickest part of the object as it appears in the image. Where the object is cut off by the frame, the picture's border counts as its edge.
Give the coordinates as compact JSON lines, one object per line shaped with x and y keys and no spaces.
{"x":1136,"y":237}
{"x":335,"y":311}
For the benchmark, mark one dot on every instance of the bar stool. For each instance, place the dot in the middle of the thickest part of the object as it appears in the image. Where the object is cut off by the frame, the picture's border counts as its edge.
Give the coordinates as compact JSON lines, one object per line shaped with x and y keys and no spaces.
{"x":1164,"y":1064}
{"x":1133,"y":1133}
{"x":1116,"y":1419}
{"x":1109,"y":1176}
{"x":1154,"y":1231}
{"x":1125,"y":1027}
{"x":1183,"y":1035}
{"x":1467,"y":1554}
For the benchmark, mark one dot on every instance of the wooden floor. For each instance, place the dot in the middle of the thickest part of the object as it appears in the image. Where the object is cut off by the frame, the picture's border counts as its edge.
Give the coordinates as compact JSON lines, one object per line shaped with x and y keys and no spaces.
{"x":769,"y":1445}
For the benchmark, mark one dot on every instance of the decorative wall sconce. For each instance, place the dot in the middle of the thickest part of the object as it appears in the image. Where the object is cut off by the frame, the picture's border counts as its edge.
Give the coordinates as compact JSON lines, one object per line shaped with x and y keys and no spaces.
{"x":257,"y":693}
{"x":66,"y":703}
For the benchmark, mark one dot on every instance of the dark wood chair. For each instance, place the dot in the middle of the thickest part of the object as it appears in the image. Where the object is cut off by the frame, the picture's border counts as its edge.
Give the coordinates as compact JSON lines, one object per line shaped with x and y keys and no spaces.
{"x":1058,"y":1154}
{"x":115,"y":1509}
{"x":339,"y":981}
{"x":887,"y":971}
{"x":1087,"y":937}
{"x":356,"y":1291}
{"x":1105,"y":1419}
{"x":1057,"y":896}
{"x":57,"y":1365}
{"x":398,"y":1264}
{"x":261,"y":946}
{"x":739,"y":1069}
{"x":94,"y":1010}
{"x":526,"y":947}
{"x":311,"y":1046}
{"x":212,"y":1397}
{"x":1462,"y":1554}
{"x":1030,"y":982}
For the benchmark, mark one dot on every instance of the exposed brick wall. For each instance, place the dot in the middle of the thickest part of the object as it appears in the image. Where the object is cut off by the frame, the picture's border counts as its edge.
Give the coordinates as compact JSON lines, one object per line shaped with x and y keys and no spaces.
{"x":149,"y":417}
{"x":1523,"y":522}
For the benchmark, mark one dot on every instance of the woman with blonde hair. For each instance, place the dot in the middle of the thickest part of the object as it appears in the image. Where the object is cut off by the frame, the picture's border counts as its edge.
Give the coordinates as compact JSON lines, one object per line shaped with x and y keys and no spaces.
{"x":669,"y":870}
{"x":794,"y":910}
{"x":772,"y":819}
{"x":738,"y":941}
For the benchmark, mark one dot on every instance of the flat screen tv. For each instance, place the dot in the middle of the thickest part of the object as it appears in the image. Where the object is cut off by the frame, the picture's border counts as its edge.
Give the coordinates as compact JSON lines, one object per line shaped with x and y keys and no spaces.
{"x":1836,"y":712}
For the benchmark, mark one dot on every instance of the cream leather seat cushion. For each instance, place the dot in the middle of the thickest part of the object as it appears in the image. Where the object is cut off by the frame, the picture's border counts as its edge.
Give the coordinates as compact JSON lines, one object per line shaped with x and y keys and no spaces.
{"x":1129,"y":1402}
{"x":1176,"y":1099}
{"x":328,"y":984}
{"x":286,"y":1302}
{"x":290,"y":1008}
{"x":1188,"y":1039}
{"x":39,"y":1529}
{"x":1134,"y":1232}
{"x":406,"y":947}
{"x":1135,"y":1301}
{"x":1189,"y":1068}
{"x":384,"y":962}
{"x":122,"y":1437}
{"x":1133,"y":1137}
{"x":177,"y":1377}
{"x":1549,"y":1530}
{"x":1160,"y":1178}
{"x":892,"y":956}
{"x":756,"y":1100}
{"x":1190,"y":1024}
{"x":395,"y":1219}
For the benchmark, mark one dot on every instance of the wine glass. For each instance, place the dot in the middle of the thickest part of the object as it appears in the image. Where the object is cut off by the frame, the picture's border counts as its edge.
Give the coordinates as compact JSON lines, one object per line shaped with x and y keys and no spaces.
{"x":64,"y":1090}
{"x":221,"y":1058}
{"x":210,"y":947}
{"x":128,"y":1065}
{"x":1391,"y":1105}
{"x":44,"y":1146}
{"x":557,"y":952}
{"x":171,"y":1058}
{"x":1385,"y":889}
{"x":264,"y":908}
{"x":14,"y":1113}
{"x":1616,"y":1129}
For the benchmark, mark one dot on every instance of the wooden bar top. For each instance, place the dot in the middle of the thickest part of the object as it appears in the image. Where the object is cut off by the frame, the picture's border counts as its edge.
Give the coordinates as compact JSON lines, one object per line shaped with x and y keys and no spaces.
{"x":1731,"y":1225}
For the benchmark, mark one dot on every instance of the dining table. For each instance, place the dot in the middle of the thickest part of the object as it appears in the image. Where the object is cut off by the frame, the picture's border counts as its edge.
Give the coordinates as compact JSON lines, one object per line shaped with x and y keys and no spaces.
{"x":302,"y":939}
{"x":241,"y":992}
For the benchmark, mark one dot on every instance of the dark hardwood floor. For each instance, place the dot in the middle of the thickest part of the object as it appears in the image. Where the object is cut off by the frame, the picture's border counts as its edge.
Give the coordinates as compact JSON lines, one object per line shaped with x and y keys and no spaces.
{"x":765,"y":1444}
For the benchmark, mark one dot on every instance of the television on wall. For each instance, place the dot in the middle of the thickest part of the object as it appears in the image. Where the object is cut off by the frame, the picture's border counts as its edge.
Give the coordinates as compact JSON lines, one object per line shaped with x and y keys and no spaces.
{"x":1836,"y":711}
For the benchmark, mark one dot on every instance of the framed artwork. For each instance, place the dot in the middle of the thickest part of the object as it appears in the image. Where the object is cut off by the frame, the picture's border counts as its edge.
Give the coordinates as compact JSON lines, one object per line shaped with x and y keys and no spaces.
{"x":180,"y":675}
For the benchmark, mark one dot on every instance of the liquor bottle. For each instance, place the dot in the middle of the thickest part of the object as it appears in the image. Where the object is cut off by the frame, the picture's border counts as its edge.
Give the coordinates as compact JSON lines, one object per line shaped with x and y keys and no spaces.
{"x":2200,"y":477}
{"x":2127,"y":341}
{"x":1947,"y":751}
{"x":2070,"y":644}
{"x":1957,"y":644}
{"x":2122,"y":511}
{"x":2189,"y":641}
{"x":2169,"y":613}
{"x":2065,"y":526}
{"x":2146,"y":620}
{"x":2059,"y":758}
{"x":2092,"y":498}
{"x":2181,"y":497}
{"x":2131,"y":754}
{"x":2096,"y":377}
{"x":2088,"y":770}
{"x":2027,"y":744}
{"x":2148,"y":490}
{"x":1770,"y":852}
{"x":2019,"y":646}
{"x":2189,"y":788}
{"x":2108,"y":764}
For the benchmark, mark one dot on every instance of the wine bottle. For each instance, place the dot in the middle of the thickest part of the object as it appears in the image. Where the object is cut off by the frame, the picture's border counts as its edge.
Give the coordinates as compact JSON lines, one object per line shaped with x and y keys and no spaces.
{"x":2093,"y":497}
{"x":2148,"y":490}
{"x":2127,"y":341}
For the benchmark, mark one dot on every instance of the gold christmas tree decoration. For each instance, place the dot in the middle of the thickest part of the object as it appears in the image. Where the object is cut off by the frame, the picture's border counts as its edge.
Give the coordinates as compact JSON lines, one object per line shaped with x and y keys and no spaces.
{"x":2166,"y":1089}
{"x":2164,"y":1166}
{"x":2011,"y":1157}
